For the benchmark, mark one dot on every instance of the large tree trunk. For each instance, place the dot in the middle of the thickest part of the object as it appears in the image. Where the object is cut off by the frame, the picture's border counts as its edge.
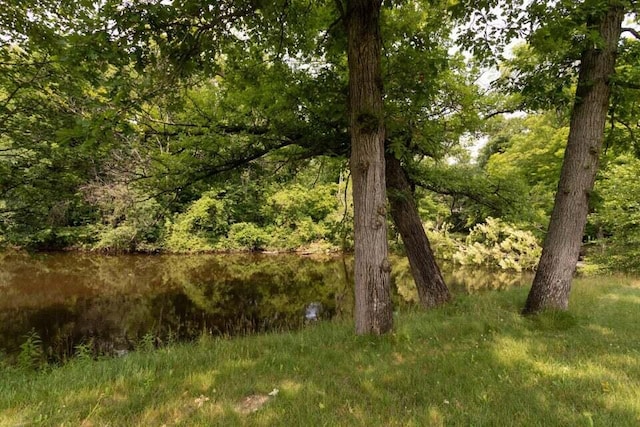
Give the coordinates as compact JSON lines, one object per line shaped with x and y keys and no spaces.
{"x":552,"y":282}
{"x":373,"y":309}
{"x":432,"y":289}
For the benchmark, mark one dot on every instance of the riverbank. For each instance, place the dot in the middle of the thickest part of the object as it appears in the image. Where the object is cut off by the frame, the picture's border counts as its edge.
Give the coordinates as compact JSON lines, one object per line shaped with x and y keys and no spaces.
{"x":494,"y":244}
{"x":476,"y":361}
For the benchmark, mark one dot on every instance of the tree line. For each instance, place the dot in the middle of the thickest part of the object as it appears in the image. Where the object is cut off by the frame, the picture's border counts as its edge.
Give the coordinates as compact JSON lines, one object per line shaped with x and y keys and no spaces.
{"x":122,"y":114}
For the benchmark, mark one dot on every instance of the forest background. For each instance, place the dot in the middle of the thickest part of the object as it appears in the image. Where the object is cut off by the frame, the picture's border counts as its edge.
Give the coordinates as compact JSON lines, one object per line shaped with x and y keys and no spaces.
{"x":183,"y":127}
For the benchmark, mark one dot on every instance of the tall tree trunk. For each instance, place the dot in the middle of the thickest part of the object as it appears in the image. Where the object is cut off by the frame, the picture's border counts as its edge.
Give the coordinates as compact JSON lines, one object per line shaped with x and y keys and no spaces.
{"x":432,"y":289}
{"x":552,"y":283}
{"x":373,"y":308}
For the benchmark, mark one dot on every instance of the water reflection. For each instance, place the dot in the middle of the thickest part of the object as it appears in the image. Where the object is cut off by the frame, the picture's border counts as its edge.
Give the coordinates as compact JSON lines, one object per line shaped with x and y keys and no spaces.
{"x":458,"y":279}
{"x":109,"y":303}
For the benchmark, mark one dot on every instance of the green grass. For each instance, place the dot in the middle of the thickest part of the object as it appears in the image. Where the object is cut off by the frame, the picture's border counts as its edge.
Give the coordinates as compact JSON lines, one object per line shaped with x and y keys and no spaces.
{"x":474,"y":362}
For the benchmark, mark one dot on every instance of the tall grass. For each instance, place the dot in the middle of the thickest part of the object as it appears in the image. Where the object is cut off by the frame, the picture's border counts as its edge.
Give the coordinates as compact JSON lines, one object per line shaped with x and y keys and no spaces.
{"x":474,"y":362}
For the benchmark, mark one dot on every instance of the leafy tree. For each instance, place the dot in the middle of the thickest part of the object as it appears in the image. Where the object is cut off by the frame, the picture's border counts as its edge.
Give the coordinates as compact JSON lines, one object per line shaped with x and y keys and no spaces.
{"x":552,"y":283}
{"x":528,"y":155}
{"x":268,"y":79}
{"x":275,"y":65}
{"x":373,"y":310}
{"x":570,"y":42}
{"x":60,"y":116}
{"x":618,"y":216}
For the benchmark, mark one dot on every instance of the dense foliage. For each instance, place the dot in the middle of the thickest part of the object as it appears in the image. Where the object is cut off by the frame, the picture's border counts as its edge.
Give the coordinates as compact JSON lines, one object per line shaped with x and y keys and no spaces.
{"x":183,"y":128}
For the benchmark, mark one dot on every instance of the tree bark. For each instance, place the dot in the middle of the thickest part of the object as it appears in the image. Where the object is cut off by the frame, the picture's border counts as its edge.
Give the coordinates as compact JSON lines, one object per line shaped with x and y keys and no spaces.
{"x":432,"y":289}
{"x":373,"y":308}
{"x":552,"y":283}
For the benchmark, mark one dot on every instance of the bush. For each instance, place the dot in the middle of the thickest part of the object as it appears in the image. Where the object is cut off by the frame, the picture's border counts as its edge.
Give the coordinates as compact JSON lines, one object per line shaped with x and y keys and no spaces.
{"x":31,"y":355}
{"x":200,"y":227}
{"x":443,"y":244}
{"x":300,"y":218}
{"x":138,"y":229}
{"x":296,"y":203}
{"x":615,"y":254}
{"x":618,"y":217}
{"x":120,"y":239}
{"x":497,"y":244}
{"x":49,"y":238}
{"x":247,"y":236}
{"x":206,"y":215}
{"x":291,"y":218}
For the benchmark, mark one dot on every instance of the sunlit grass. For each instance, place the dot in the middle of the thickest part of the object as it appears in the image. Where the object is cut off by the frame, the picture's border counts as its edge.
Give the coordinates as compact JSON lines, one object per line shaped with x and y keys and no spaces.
{"x":474,"y":362}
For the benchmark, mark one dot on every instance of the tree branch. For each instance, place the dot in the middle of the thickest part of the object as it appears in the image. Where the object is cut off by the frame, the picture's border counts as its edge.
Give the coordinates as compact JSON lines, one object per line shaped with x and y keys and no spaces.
{"x":498,"y":112}
{"x":27,"y":64}
{"x":627,"y":126}
{"x":282,"y":18}
{"x":632,"y":31}
{"x":465,"y":193}
{"x":219,"y":129}
{"x":341,"y":9}
{"x":628,"y":85}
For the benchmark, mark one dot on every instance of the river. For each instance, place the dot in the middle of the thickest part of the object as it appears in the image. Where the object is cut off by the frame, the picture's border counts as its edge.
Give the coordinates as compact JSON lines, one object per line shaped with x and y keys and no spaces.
{"x":110,"y":304}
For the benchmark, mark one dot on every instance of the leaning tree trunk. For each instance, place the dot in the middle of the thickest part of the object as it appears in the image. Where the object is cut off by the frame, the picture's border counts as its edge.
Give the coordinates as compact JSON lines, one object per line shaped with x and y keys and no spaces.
{"x":552,"y":283}
{"x":373,"y":309}
{"x":432,"y":289}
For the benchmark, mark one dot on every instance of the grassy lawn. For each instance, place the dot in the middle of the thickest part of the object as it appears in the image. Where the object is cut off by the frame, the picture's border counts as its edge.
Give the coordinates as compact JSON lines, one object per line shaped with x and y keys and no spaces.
{"x":474,"y":362}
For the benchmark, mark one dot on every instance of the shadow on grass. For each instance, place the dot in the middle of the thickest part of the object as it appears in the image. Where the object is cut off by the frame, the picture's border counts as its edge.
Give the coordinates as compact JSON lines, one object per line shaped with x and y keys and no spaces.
{"x":474,"y":362}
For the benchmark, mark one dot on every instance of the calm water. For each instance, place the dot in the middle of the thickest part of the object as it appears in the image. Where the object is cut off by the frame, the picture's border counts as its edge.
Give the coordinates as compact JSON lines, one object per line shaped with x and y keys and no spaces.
{"x":110,"y":303}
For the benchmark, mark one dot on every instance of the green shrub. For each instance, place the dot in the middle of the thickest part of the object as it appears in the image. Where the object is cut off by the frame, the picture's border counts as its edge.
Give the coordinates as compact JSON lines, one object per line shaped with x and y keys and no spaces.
{"x":497,"y":244}
{"x":147,"y":342}
{"x":300,"y":234}
{"x":200,"y":227}
{"x":83,"y":351}
{"x":290,"y":219}
{"x":618,"y":217}
{"x":130,"y":219}
{"x":31,"y":355}
{"x":138,"y":229}
{"x":295,"y":203}
{"x":494,"y":244}
{"x":617,"y":253}
{"x":247,"y":236}
{"x":300,"y":217}
{"x":177,"y":241}
{"x":206,"y":215}
{"x":51,"y":238}
{"x":120,"y":239}
{"x":442,"y":242}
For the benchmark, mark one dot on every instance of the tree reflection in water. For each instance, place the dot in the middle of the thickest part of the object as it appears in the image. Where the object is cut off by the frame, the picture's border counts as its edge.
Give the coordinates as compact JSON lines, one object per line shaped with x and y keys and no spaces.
{"x":109,"y":303}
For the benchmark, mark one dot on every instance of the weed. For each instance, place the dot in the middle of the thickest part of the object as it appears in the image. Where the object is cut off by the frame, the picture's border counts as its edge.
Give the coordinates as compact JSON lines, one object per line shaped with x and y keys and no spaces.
{"x":31,"y":354}
{"x":84,"y":351}
{"x":147,"y":343}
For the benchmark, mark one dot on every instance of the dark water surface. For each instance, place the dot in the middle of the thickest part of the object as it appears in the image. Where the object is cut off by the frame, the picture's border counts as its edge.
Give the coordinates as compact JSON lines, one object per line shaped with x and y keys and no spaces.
{"x":110,"y":304}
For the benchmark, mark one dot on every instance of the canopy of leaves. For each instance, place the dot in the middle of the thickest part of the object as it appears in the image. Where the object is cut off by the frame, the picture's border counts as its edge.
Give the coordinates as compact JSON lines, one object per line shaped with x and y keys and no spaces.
{"x":131,"y":122}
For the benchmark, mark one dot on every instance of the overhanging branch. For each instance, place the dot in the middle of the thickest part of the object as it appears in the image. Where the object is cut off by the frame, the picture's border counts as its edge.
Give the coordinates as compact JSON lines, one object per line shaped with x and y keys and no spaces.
{"x":635,"y":33}
{"x":628,"y":85}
